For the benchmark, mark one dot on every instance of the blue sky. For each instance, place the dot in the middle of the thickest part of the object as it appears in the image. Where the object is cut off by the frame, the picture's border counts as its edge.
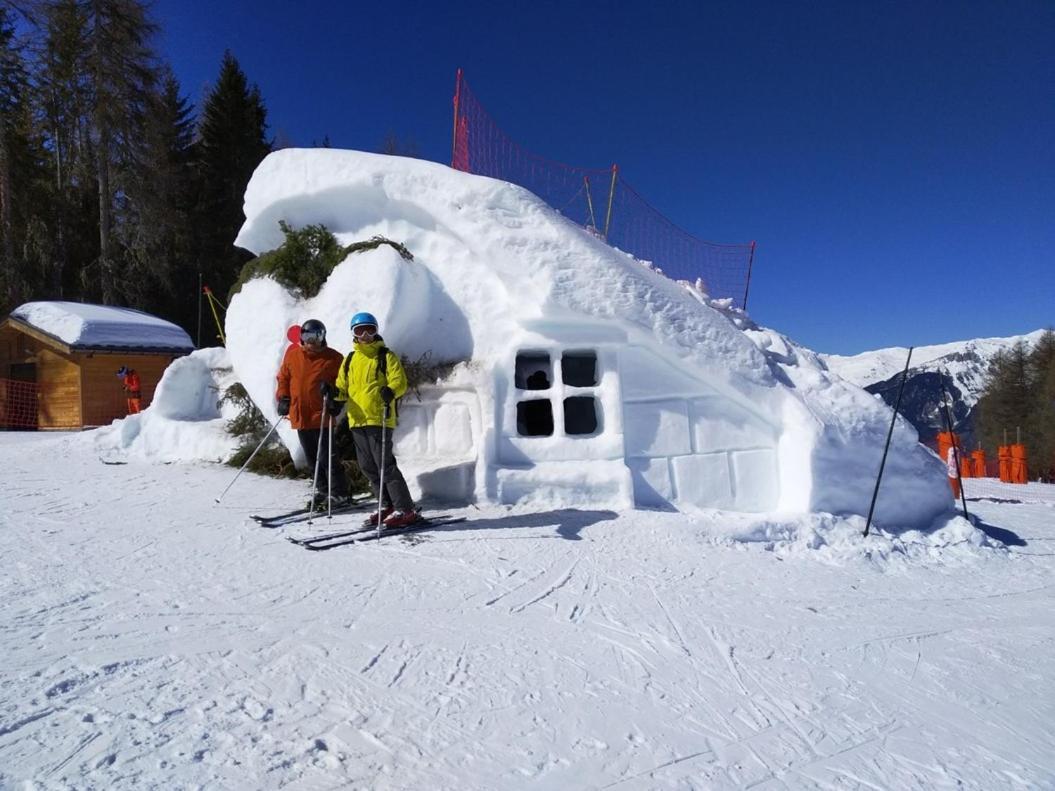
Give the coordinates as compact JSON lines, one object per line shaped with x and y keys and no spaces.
{"x":894,"y":161}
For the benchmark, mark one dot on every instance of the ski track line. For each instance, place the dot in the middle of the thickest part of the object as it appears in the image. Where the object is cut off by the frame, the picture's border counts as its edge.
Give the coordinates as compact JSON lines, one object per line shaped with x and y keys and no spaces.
{"x":553,"y":588}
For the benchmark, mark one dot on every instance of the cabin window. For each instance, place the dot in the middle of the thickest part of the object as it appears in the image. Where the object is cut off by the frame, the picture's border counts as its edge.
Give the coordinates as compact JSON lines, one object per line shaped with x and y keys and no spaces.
{"x":535,"y":418}
{"x":534,"y":371}
{"x":579,"y":369}
{"x":580,"y":415}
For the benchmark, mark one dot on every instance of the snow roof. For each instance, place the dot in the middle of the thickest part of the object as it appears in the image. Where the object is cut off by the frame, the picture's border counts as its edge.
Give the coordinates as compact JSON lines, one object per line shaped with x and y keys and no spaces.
{"x":82,"y":326}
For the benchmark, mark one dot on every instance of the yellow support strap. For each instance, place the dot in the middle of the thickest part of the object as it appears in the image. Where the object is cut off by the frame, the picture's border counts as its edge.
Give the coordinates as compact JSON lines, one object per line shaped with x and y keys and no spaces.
{"x":213,"y":302}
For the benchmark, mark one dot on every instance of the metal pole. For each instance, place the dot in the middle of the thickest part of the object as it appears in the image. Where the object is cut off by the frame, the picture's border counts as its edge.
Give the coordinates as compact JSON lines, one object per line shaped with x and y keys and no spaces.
{"x":329,"y":465}
{"x":890,"y":433}
{"x":318,"y":454}
{"x":611,"y":195}
{"x":381,"y":482}
{"x":251,"y":455}
{"x":457,"y":107}
{"x":199,"y":309}
{"x":955,"y":450}
{"x":747,"y":286}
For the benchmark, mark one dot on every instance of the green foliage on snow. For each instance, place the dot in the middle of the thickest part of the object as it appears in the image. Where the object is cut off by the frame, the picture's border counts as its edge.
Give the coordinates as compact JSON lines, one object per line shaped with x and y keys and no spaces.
{"x":306,"y":258}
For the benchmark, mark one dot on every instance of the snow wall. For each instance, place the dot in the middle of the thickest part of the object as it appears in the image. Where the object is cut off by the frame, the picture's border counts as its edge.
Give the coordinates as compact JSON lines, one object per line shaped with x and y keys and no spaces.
{"x":586,"y":378}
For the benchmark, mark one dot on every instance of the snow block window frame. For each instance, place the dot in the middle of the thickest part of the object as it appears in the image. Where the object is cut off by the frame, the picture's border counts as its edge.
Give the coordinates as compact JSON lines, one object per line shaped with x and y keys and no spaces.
{"x":574,"y":391}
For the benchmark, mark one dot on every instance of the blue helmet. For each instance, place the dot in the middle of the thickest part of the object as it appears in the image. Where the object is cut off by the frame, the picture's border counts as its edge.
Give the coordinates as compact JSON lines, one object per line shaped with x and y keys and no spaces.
{"x":122,"y":370}
{"x":359,"y":319}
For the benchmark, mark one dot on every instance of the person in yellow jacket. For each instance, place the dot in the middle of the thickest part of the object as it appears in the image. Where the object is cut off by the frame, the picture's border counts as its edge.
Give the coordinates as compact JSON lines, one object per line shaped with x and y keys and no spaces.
{"x":371,"y":378}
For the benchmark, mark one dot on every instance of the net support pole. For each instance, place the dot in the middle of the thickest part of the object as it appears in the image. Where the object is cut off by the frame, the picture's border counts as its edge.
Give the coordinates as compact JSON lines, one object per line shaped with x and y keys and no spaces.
{"x":611,"y":196}
{"x":890,"y":433}
{"x":589,"y":202}
{"x":750,"y":263}
{"x":955,"y":450}
{"x":457,"y":107}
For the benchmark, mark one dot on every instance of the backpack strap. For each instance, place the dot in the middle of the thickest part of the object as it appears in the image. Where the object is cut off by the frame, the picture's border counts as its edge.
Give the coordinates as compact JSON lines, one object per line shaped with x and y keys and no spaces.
{"x":382,"y":362}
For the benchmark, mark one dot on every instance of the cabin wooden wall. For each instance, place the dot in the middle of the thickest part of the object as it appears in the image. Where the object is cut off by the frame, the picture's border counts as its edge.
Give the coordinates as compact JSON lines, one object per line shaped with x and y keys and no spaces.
{"x":58,"y":377}
{"x":79,"y":389}
{"x":103,"y":398}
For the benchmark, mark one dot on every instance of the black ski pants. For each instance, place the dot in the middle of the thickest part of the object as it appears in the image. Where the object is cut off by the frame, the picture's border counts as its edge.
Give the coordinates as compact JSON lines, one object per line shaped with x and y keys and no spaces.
{"x":368,"y":453}
{"x":309,"y":440}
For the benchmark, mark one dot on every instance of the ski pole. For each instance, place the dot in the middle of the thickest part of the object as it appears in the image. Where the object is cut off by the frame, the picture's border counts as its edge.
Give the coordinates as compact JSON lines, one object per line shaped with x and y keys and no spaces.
{"x":251,"y":455}
{"x":329,"y":467}
{"x":893,"y":420}
{"x":318,"y":452}
{"x":381,"y":483}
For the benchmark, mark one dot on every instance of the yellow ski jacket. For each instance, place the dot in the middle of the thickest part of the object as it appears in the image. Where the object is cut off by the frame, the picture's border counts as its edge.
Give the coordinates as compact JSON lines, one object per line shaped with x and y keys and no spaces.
{"x":360,"y":381}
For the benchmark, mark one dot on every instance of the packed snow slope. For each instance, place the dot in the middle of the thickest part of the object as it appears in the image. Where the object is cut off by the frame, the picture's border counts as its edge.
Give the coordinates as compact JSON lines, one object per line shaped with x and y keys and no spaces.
{"x":155,"y":640}
{"x":494,"y":265}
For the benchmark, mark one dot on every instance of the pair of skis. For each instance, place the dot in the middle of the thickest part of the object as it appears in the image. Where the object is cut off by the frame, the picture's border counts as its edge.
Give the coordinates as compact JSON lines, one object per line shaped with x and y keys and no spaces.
{"x":304,"y":514}
{"x":365,"y":533}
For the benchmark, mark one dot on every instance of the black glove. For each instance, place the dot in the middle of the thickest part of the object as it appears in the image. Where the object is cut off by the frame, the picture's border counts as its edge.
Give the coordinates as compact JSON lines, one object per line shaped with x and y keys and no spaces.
{"x":328,"y":390}
{"x":333,"y":407}
{"x":387,"y":395}
{"x":283,"y":406}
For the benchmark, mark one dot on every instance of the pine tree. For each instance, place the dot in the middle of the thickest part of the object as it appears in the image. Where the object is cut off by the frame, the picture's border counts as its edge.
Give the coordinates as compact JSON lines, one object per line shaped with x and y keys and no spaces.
{"x":13,"y":88}
{"x":122,"y":75}
{"x":155,"y":211}
{"x":65,"y":231}
{"x":231,"y":143}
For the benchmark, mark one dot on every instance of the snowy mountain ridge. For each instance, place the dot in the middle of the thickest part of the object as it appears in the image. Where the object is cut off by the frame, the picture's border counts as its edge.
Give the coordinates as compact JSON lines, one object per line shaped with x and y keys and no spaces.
{"x":962,"y":366}
{"x":965,"y":361}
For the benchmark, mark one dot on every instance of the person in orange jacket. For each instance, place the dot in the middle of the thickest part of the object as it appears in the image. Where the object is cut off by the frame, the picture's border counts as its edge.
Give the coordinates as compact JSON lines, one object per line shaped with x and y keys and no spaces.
{"x":133,"y":390}
{"x":305,"y":368}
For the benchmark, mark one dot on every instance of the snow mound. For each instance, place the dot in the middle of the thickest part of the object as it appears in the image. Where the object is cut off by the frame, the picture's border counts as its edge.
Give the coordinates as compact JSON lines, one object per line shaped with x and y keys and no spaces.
{"x":839,"y":540}
{"x":184,"y":422}
{"x":698,"y":407}
{"x":103,"y":327}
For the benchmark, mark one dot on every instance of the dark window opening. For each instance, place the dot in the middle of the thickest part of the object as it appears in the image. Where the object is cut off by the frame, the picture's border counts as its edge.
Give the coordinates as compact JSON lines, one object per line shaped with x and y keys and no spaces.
{"x":580,"y":415}
{"x":579,"y":369}
{"x":535,"y":418}
{"x":533,"y":371}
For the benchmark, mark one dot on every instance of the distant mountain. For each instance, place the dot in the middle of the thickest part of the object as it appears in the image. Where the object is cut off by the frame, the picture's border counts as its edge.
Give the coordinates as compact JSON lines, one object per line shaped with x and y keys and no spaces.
{"x":963,"y":366}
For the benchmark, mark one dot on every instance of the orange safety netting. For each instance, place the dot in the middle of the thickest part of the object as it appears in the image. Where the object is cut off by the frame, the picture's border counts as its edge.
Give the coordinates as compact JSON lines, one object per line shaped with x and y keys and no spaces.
{"x":18,"y":404}
{"x":601,"y":201}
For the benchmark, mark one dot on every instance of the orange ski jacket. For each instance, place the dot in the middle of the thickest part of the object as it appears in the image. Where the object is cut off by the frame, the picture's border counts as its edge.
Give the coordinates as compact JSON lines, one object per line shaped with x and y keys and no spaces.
{"x":299,"y":377}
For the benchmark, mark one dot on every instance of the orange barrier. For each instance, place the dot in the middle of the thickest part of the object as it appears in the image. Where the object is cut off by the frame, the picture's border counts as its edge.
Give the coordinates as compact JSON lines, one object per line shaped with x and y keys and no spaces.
{"x":1004,"y":454}
{"x":1019,"y":468}
{"x":966,"y":468}
{"x":946,"y":439}
{"x":978,"y":463}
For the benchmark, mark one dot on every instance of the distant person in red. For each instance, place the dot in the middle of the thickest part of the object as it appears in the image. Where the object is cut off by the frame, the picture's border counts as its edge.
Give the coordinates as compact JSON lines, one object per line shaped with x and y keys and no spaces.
{"x":133,"y":392}
{"x":306,"y":366}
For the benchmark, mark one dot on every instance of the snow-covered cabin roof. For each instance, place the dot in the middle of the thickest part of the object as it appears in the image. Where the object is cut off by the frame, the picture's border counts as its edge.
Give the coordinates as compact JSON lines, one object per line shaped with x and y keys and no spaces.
{"x":84,"y":327}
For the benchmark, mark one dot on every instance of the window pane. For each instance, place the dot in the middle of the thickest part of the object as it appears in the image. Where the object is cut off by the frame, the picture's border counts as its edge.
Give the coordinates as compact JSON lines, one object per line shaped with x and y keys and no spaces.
{"x":535,"y":418}
{"x":580,"y":415}
{"x":534,"y":371}
{"x":579,"y":369}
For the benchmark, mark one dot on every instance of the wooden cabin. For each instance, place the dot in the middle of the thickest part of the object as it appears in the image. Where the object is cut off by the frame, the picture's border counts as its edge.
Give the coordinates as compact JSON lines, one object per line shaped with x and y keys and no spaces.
{"x":58,"y":364}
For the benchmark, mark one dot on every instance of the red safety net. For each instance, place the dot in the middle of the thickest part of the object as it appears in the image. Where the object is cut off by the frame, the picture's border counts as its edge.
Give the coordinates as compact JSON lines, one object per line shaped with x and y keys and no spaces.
{"x":18,"y":404}
{"x":601,"y":201}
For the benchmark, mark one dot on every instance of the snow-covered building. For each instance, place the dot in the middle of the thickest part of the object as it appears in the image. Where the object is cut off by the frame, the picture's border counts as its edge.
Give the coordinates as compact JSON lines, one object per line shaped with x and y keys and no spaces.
{"x":585,"y":378}
{"x":58,"y":362}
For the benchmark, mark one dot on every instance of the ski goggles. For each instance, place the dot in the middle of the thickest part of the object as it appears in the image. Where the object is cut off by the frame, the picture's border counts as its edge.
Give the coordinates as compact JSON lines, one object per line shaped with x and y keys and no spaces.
{"x":312,"y":336}
{"x":363,"y":330}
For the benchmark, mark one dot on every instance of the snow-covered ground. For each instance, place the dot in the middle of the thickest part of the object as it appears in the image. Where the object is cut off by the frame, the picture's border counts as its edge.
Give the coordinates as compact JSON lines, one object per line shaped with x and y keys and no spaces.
{"x":155,"y":639}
